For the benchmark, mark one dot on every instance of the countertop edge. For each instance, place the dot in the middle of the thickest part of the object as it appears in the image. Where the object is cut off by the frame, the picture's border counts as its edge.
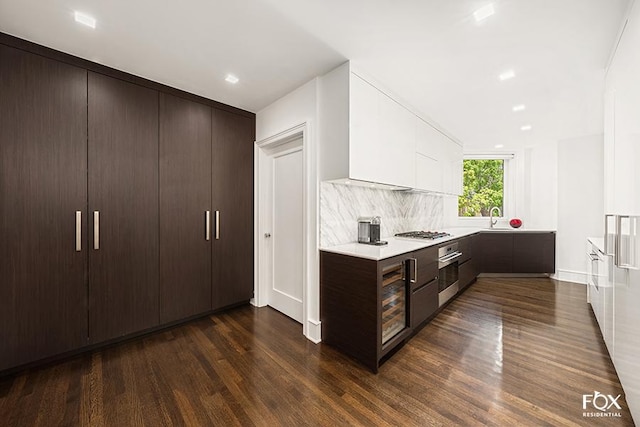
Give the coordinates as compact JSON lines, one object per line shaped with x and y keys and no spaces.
{"x":399,"y":246}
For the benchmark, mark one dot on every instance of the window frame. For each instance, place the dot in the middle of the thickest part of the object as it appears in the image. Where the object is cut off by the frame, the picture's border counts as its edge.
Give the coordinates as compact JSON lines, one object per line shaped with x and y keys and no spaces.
{"x":509,"y":183}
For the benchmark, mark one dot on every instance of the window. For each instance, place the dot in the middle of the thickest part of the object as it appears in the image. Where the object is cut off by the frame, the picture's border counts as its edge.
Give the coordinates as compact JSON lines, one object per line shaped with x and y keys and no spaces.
{"x":483,"y":185}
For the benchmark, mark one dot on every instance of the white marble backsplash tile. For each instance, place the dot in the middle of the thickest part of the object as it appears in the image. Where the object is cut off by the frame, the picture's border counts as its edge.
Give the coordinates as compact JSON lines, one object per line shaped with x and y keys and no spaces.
{"x":341,"y":206}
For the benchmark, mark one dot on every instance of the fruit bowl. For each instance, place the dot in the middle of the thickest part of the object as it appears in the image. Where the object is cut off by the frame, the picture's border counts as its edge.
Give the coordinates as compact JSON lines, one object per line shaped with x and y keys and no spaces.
{"x":515,"y":223}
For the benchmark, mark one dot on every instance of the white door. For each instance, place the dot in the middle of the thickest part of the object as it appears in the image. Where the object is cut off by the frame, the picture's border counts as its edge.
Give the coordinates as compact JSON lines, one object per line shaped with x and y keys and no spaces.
{"x":286,"y":236}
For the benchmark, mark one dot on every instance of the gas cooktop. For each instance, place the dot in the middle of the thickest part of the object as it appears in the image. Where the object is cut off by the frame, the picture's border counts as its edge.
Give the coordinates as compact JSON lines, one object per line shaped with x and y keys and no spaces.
{"x":429,"y":235}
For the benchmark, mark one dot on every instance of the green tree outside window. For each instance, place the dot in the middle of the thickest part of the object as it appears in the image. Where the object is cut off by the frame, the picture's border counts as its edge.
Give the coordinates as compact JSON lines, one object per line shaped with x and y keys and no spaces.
{"x":483,"y":187}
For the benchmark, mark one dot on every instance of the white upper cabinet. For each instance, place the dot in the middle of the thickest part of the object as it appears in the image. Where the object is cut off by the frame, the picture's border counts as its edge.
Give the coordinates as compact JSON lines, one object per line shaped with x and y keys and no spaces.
{"x":368,"y":136}
{"x":430,"y":148}
{"x":453,"y":169}
{"x":622,"y":127}
{"x":609,"y":151}
{"x":381,"y":137}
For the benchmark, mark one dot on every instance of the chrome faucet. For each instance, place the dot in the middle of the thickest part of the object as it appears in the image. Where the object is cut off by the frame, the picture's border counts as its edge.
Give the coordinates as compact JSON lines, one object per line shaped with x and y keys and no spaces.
{"x":492,"y":221}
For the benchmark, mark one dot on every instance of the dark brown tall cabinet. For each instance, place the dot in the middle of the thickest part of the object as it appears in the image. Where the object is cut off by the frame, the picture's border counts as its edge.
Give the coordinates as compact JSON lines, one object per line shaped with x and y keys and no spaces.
{"x":186,"y":225}
{"x":233,"y":137}
{"x":43,"y":166}
{"x":123,"y":204}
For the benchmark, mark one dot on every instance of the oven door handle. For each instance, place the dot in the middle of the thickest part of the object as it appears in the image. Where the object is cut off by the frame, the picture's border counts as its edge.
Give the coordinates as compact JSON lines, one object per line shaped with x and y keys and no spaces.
{"x":450,"y":257}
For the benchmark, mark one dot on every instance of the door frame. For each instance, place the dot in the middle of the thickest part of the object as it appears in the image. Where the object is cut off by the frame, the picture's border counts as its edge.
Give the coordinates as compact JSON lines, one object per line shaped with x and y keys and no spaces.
{"x":310,"y":282}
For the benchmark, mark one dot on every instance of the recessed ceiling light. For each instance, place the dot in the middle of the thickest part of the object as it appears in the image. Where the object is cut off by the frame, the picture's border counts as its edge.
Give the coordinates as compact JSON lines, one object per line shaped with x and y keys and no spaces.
{"x":232,"y":79}
{"x":484,"y":12}
{"x":499,"y":145}
{"x":526,"y":127}
{"x":519,"y":107}
{"x":84,"y":19}
{"x":347,"y":182}
{"x":509,"y":74}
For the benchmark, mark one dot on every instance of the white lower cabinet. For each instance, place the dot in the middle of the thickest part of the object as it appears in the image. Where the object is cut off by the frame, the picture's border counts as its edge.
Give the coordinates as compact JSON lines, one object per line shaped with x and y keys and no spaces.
{"x":600,"y":291}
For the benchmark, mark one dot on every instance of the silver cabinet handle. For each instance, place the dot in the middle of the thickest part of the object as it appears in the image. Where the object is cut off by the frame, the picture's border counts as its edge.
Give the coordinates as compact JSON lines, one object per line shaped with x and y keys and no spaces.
{"x":207,"y":225}
{"x":415,"y":270}
{"x":78,"y":231}
{"x":96,"y":230}
{"x":629,"y":261}
{"x":217,"y":225}
{"x":607,"y":249}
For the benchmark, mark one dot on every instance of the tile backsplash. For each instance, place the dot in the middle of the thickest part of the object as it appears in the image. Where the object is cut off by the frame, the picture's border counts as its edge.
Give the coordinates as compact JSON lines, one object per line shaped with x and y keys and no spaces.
{"x":341,"y":206}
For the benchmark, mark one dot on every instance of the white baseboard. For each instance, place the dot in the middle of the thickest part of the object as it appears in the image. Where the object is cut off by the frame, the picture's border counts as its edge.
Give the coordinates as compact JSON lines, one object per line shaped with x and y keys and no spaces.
{"x":254,"y":302}
{"x":314,"y":331}
{"x":571,"y":276}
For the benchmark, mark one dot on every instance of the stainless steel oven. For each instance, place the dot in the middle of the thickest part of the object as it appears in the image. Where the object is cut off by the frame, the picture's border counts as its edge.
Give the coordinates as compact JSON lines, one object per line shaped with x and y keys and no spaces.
{"x":448,"y":256}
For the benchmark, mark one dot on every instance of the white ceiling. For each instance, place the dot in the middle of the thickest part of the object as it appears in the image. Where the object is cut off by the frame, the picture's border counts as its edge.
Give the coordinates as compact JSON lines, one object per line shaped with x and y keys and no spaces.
{"x":431,"y":53}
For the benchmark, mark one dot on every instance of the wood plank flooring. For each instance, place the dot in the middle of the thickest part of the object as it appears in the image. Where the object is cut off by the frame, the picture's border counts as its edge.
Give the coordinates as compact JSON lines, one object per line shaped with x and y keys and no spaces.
{"x":517,"y":352}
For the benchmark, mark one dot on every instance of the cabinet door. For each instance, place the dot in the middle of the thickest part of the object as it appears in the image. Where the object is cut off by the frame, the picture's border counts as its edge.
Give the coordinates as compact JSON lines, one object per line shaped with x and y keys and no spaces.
{"x":428,"y":173}
{"x":609,"y":152}
{"x":466,"y":274}
{"x":365,"y":144}
{"x":43,"y":166}
{"x":452,"y":168}
{"x":426,"y":266}
{"x":534,"y":253}
{"x":233,"y":143}
{"x":424,"y":302}
{"x":429,"y":164}
{"x":497,"y":252}
{"x":185,"y":197}
{"x":465,"y":246}
{"x":397,"y":144}
{"x":382,"y":137}
{"x":123,"y":188}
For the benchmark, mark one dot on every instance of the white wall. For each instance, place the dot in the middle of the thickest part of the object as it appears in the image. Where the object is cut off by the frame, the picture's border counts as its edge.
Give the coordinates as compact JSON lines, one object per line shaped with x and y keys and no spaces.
{"x":540,"y":186}
{"x":296,"y":108}
{"x":580,"y":202}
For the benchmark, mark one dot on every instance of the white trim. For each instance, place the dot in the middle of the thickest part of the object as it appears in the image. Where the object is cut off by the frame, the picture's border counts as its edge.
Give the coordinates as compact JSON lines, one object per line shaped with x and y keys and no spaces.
{"x":310,"y":325}
{"x":571,"y":276}
{"x":314,"y":331}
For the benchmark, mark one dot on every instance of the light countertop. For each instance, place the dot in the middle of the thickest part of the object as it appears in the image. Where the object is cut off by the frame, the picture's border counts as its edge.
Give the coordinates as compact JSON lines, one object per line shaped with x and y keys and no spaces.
{"x":399,"y":245}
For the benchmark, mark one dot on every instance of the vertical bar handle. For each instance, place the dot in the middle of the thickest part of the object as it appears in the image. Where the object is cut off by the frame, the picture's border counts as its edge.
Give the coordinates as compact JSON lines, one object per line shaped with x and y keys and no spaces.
{"x":78,"y":231}
{"x":415,"y":270}
{"x":207,"y":225}
{"x":629,"y":260}
{"x":96,"y":230}
{"x":217,"y":225}
{"x":607,"y":249}
{"x":616,"y":254}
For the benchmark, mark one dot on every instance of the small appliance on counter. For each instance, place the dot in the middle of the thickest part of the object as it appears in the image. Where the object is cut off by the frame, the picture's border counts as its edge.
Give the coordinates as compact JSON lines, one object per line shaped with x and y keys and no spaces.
{"x":369,"y":231}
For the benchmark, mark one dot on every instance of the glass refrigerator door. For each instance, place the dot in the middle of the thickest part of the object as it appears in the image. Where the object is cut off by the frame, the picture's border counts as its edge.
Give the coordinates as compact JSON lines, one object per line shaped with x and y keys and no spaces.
{"x":394,"y":301}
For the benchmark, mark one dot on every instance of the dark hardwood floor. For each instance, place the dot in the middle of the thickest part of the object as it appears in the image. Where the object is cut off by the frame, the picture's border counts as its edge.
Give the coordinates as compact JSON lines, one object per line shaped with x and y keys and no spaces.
{"x":507,"y":352}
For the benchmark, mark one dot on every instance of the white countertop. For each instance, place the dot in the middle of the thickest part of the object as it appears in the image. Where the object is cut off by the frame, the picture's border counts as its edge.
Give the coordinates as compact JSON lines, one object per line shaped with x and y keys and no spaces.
{"x":396,"y":246}
{"x":399,"y":245}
